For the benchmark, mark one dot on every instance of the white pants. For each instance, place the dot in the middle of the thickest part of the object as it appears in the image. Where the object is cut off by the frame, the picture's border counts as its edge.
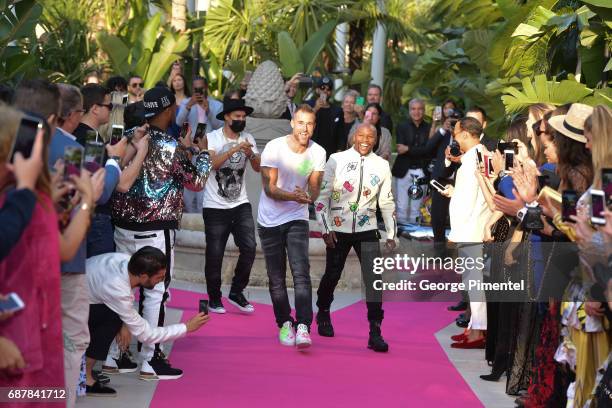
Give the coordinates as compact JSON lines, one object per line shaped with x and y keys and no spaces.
{"x":478,"y":305}
{"x":194,"y":201}
{"x":407,"y":210}
{"x":152,"y":304}
{"x":75,"y":315}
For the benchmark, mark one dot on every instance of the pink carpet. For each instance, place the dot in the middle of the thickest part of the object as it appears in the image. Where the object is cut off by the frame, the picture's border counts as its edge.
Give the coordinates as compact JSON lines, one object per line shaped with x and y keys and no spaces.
{"x":236,"y":361}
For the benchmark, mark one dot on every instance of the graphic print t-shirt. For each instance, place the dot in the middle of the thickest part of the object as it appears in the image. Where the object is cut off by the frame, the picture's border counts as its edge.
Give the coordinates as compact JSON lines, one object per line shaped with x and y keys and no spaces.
{"x":293,"y":170}
{"x":225,"y":186}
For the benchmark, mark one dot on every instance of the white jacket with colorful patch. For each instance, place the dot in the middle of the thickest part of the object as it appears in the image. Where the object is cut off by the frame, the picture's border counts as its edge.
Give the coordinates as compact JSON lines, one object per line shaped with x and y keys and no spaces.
{"x":351,"y":187}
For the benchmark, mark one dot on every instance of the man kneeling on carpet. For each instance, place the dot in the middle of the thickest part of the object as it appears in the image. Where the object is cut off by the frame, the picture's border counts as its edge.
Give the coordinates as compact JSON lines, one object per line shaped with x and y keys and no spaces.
{"x":355,"y":182}
{"x":111,"y":278}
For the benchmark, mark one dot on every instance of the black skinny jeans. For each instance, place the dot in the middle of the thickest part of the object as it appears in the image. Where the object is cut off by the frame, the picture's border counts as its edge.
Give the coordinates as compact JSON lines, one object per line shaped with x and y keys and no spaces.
{"x":289,"y":240}
{"x":218,"y":224}
{"x":334,"y":264}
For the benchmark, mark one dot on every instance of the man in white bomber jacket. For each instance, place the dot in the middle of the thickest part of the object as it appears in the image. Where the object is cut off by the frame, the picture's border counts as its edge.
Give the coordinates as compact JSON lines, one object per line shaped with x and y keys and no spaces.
{"x":355,"y":181}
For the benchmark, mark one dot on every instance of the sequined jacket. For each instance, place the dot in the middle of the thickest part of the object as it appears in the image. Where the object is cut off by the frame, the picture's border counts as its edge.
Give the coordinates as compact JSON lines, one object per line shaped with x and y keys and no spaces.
{"x":352,"y":186}
{"x":155,"y":201}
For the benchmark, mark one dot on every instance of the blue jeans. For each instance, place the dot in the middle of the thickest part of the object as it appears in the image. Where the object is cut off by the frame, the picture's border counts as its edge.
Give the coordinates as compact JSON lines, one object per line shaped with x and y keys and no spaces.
{"x":218,"y":224}
{"x":100,"y":238}
{"x":289,"y":240}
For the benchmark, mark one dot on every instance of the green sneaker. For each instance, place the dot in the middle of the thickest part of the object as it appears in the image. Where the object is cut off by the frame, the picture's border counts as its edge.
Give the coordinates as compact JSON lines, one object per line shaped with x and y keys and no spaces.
{"x":286,"y":335}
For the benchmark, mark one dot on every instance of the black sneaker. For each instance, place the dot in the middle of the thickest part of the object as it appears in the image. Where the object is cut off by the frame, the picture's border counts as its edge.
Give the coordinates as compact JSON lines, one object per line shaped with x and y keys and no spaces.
{"x":99,"y":390}
{"x":122,"y":365}
{"x":324,"y":324}
{"x":216,"y":306}
{"x":101,"y":378}
{"x":158,"y":368}
{"x":238,"y":300}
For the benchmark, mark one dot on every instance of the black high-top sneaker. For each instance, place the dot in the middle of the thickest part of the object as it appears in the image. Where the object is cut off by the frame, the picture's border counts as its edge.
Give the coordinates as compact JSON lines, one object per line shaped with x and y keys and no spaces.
{"x":376,"y":342}
{"x":159,"y":368}
{"x":121,"y":365}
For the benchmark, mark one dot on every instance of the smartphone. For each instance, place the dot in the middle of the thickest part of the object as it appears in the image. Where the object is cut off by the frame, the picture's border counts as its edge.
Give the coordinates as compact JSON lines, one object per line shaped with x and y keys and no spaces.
{"x":490,"y":169}
{"x":73,"y":161}
{"x":598,"y":204}
{"x":116,"y":134}
{"x":124,"y":99}
{"x":606,"y":184}
{"x":503,"y":146}
{"x":437,"y":113}
{"x":367,"y":116}
{"x":203,"y":308}
{"x":323,"y":97}
{"x":435,"y":184}
{"x":508,"y":160}
{"x":26,"y":135}
{"x":479,"y":156}
{"x":184,"y":129}
{"x":569,"y":199}
{"x":360,"y":101}
{"x":91,"y":136}
{"x":12,"y":303}
{"x":199,"y":133}
{"x":94,"y":156}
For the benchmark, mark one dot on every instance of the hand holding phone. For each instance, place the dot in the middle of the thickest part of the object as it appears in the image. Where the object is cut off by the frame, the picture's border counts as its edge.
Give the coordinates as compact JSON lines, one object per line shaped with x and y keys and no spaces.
{"x":203,"y":306}
{"x":598,"y":205}
{"x":73,"y":161}
{"x":116,"y":134}
{"x":27,"y":171}
{"x":508,"y":160}
{"x":569,"y":200}
{"x":10,"y":304}
{"x":26,"y":135}
{"x":437,"y":185}
{"x":437,"y":114}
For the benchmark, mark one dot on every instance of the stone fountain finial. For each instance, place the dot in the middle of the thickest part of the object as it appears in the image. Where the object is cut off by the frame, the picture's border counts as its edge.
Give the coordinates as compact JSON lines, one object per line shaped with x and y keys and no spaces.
{"x":266,"y":92}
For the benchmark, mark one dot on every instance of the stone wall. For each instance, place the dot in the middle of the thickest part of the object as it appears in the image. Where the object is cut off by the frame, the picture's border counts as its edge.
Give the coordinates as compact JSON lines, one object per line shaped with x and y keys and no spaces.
{"x":189,"y":259}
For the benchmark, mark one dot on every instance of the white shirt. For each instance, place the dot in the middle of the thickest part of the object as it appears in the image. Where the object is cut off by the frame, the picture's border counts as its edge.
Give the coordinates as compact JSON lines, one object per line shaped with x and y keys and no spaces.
{"x":109,"y":284}
{"x":225,"y":186}
{"x":468,"y":209}
{"x":294,"y":169}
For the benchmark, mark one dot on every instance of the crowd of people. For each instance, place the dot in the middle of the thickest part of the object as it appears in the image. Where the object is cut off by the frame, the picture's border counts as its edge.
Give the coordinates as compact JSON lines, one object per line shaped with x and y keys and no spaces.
{"x":78,"y":237}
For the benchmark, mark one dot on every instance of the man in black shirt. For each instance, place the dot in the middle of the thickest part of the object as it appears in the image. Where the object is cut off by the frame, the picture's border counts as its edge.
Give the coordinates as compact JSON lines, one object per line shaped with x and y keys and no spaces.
{"x":374,"y":95}
{"x":326,"y":116}
{"x":97,"y":105}
{"x":412,"y":133}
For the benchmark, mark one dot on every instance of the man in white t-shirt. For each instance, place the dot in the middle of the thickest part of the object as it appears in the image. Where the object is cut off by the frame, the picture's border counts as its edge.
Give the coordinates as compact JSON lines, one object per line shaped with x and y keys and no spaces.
{"x":226,"y":206}
{"x":292,"y":167}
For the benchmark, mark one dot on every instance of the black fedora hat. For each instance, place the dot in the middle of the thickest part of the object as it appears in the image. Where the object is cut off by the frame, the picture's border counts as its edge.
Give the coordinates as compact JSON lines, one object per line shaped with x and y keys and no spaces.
{"x":231,"y":105}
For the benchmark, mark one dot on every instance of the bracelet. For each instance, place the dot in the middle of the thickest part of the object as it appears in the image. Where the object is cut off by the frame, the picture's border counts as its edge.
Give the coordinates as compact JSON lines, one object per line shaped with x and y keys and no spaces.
{"x":85,"y":207}
{"x":252,"y":156}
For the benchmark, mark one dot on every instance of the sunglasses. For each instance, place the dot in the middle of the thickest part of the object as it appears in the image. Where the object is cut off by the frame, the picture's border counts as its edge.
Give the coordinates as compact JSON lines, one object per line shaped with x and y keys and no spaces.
{"x":325,"y":88}
{"x":137,"y":85}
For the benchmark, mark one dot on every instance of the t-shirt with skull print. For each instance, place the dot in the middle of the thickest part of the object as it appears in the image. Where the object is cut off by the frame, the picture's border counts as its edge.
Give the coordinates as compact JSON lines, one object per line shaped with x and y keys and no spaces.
{"x":225,"y":186}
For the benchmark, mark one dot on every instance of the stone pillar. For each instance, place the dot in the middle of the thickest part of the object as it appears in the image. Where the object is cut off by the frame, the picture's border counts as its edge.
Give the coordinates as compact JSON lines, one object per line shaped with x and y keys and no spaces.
{"x":379,"y":45}
{"x":263,"y":130}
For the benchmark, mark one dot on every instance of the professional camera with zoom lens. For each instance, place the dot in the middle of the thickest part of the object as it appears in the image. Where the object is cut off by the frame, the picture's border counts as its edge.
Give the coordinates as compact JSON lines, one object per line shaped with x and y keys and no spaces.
{"x":455,"y":150}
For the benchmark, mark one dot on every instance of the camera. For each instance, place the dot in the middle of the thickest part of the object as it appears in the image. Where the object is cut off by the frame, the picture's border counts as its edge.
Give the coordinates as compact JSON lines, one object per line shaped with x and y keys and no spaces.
{"x":455,"y":151}
{"x":454,"y":116}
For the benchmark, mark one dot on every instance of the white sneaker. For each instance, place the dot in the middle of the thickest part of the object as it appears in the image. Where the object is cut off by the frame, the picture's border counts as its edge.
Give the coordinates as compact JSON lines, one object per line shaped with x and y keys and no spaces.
{"x":286,"y":335}
{"x":302,"y":338}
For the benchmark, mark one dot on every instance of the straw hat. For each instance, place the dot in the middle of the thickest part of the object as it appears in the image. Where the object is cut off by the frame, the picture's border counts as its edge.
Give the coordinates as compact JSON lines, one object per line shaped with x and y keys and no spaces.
{"x":572,"y":124}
